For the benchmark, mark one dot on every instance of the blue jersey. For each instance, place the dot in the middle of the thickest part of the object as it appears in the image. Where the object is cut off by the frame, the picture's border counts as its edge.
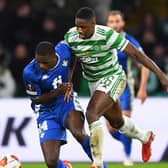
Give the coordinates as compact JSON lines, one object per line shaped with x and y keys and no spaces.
{"x":52,"y":114}
{"x":37,"y":82}
{"x":122,"y":57}
{"x":125,"y":62}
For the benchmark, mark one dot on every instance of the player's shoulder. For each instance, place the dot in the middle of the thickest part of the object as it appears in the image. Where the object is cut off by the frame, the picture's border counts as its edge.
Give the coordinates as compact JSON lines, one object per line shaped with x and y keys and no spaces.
{"x":102,"y":30}
{"x":63,"y":50}
{"x":71,"y":34}
{"x":72,"y":31}
{"x":30,"y":69}
{"x":62,"y":46}
{"x":132,"y":40}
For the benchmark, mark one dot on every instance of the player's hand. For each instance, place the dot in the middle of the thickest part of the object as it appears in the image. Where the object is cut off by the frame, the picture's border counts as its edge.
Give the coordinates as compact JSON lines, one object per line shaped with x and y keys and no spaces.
{"x":62,"y":88}
{"x":142,"y":94}
{"x":164,"y":82}
{"x":66,"y":89}
{"x":68,"y":93}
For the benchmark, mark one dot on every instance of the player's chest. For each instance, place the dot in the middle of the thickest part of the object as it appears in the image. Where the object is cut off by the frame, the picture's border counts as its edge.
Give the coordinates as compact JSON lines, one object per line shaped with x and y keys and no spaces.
{"x":88,"y":50}
{"x":50,"y":80}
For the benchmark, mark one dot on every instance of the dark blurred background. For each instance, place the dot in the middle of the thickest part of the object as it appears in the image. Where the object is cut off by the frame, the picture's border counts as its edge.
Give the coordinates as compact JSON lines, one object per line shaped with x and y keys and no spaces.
{"x":23,"y":23}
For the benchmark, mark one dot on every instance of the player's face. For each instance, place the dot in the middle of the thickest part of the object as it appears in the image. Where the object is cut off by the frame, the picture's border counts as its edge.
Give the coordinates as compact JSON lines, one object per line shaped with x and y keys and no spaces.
{"x":46,"y":62}
{"x":116,"y":22}
{"x":85,"y":28}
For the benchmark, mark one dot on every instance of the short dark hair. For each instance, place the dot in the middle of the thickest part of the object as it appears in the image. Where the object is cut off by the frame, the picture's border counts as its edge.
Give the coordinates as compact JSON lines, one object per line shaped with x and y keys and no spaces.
{"x":45,"y":48}
{"x":85,"y":13}
{"x":116,"y":12}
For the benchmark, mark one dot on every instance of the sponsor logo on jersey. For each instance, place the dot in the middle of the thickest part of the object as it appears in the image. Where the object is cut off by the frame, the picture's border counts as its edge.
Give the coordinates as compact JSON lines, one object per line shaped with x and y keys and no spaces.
{"x":30,"y":89}
{"x":86,"y":54}
{"x":45,"y":77}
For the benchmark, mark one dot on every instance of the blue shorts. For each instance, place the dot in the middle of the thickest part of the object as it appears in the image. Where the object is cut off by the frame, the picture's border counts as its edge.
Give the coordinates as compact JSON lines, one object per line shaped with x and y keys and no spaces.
{"x":126,"y":98}
{"x":51,"y":122}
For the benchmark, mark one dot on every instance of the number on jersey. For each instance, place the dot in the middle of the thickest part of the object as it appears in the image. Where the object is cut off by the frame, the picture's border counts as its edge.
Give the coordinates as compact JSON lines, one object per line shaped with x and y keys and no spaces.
{"x":56,"y":81}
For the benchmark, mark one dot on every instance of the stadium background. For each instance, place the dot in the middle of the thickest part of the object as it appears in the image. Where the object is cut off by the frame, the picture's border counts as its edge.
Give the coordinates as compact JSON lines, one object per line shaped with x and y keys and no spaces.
{"x":23,"y":23}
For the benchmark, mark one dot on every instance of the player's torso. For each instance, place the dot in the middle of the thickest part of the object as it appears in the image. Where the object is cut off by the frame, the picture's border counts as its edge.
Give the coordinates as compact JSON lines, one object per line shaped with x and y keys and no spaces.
{"x":126,"y":62}
{"x":55,"y":76}
{"x":92,"y":47}
{"x":123,"y":58}
{"x":96,"y":56}
{"x":49,"y":81}
{"x":59,"y":74}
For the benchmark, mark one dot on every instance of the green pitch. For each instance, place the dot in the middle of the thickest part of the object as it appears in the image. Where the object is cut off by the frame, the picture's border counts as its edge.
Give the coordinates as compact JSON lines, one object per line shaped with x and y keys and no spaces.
{"x":110,"y":165}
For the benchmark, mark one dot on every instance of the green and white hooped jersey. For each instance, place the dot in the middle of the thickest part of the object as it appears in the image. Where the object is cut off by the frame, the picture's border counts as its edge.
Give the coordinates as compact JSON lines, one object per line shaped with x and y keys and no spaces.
{"x":98,"y":54}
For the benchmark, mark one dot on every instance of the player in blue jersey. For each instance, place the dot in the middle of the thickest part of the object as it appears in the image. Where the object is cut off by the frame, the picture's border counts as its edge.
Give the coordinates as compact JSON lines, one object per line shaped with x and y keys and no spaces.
{"x":116,"y":21}
{"x":54,"y":102}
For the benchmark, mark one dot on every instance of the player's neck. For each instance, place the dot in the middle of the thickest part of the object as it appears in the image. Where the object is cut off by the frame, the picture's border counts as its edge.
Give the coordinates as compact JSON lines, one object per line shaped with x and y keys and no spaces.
{"x":122,"y":32}
{"x":55,"y":64}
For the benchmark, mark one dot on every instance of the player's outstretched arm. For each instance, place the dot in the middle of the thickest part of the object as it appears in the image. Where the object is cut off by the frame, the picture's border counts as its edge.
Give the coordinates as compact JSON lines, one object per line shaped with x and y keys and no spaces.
{"x":46,"y":97}
{"x":142,"y":91}
{"x":130,"y":50}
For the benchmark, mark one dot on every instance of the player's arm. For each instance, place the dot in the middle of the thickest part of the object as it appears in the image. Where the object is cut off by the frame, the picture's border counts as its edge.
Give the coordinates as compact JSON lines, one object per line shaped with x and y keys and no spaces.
{"x":49,"y":96}
{"x":132,"y":51}
{"x":33,"y":89}
{"x":142,"y":91}
{"x":64,"y":51}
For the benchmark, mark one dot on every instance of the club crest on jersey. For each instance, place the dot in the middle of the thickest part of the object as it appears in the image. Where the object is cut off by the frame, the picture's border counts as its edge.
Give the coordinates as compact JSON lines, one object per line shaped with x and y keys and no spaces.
{"x":30,"y":87}
{"x":86,"y":54}
{"x":65,"y":63}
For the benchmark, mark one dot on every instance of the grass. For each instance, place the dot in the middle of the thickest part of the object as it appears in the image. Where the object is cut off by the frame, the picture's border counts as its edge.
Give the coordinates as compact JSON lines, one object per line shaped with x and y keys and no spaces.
{"x":110,"y":165}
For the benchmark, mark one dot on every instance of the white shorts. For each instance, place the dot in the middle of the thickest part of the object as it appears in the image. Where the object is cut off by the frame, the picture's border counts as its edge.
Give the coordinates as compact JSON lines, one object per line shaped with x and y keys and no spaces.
{"x":112,"y":85}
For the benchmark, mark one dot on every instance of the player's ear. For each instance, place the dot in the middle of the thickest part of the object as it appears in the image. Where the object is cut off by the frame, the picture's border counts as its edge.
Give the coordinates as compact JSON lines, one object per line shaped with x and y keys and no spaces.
{"x":123,"y":23}
{"x":94,"y":21}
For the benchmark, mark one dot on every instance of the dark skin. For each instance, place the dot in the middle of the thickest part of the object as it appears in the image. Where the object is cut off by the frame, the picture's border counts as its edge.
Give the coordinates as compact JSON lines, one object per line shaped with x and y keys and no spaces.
{"x":100,"y":103}
{"x":74,"y":120}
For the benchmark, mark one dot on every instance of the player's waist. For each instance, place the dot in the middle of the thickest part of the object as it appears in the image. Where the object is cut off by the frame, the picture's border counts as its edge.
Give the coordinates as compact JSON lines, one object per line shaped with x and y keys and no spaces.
{"x":91,"y":77}
{"x":50,"y":106}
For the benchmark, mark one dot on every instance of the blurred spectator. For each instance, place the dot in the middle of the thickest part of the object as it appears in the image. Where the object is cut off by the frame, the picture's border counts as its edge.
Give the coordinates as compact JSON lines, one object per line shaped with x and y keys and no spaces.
{"x":166,"y":62}
{"x":101,"y":9}
{"x":49,"y":30}
{"x":165,"y":30}
{"x":7,"y":84}
{"x":24,"y":25}
{"x":153,"y":84}
{"x":150,"y":23}
{"x":5,"y":25}
{"x":159,"y":56}
{"x":148,"y":40}
{"x":149,"y":32}
{"x":20,"y":59}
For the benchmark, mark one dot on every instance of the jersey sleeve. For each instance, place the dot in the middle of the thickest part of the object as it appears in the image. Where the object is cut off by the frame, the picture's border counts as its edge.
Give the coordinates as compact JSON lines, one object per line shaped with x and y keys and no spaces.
{"x":66,"y":38}
{"x":32,"y":87}
{"x":115,"y":40}
{"x":134,"y":42}
{"x":63,"y":50}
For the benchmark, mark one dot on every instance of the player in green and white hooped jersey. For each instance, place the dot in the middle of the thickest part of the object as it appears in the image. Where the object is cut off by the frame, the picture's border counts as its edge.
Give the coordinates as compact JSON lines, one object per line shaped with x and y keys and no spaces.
{"x":96,"y":46}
